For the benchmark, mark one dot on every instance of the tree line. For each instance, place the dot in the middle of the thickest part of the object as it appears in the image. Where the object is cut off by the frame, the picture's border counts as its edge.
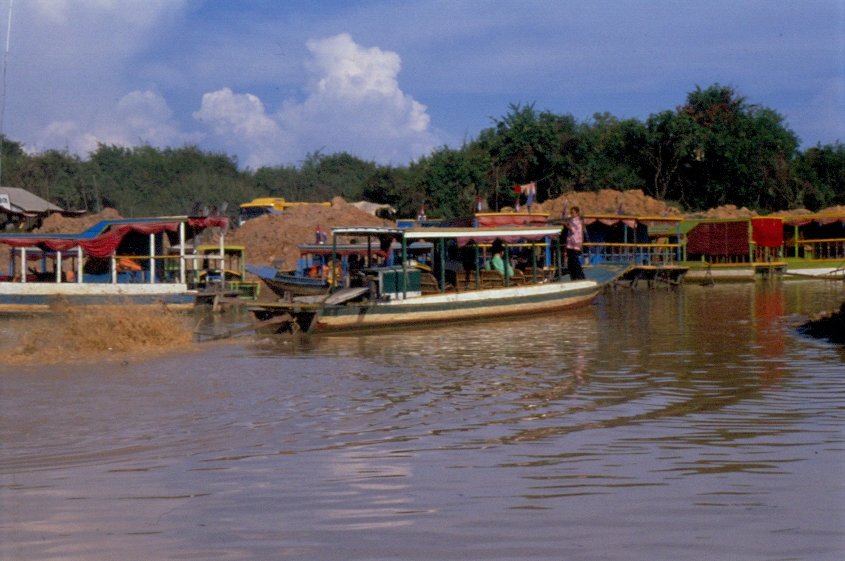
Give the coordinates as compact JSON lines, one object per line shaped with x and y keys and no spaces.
{"x":715,"y":149}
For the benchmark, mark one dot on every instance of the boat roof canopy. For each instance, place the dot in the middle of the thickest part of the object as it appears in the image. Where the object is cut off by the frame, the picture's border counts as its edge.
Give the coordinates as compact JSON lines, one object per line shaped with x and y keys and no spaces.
{"x":104,"y":237}
{"x":461,"y":235}
{"x":368,"y":231}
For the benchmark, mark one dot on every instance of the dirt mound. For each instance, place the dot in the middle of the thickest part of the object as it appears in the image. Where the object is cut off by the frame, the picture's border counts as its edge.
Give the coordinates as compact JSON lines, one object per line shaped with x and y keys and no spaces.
{"x":96,"y":333}
{"x":58,"y":224}
{"x":609,"y":201}
{"x":273,"y":239}
{"x":724,"y":211}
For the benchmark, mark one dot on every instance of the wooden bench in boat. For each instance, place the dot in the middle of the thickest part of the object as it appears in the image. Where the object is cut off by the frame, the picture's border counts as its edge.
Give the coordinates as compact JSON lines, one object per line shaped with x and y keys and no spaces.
{"x":429,"y":284}
{"x":493,"y":279}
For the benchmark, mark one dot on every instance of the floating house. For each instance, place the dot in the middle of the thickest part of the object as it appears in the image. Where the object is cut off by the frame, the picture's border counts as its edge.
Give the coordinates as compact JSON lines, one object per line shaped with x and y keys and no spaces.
{"x":142,"y":260}
{"x":733,"y":249}
{"x":814,"y":245}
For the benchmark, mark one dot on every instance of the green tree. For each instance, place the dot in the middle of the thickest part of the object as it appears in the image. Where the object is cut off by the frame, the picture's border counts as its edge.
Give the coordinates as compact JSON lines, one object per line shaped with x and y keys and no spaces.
{"x":390,"y":185}
{"x":327,"y":176}
{"x":742,"y":154}
{"x":526,"y":145}
{"x":670,"y":143}
{"x":820,"y":174}
{"x":448,"y":181}
{"x":609,"y":153}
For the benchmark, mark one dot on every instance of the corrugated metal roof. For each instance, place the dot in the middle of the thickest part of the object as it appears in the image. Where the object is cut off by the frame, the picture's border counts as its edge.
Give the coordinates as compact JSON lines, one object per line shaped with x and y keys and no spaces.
{"x":23,"y":201}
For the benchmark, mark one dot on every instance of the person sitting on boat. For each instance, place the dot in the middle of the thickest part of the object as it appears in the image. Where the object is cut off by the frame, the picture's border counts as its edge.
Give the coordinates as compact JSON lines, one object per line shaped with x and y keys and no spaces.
{"x":452,"y":266}
{"x":497,"y":262}
{"x":574,"y":243}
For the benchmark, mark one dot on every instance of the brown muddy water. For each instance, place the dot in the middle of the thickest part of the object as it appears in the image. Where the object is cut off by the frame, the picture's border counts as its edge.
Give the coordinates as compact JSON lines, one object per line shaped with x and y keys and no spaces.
{"x":686,"y":425}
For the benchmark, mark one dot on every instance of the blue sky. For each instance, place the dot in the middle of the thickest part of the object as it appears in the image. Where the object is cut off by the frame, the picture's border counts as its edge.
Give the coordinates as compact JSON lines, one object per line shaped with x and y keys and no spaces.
{"x":270,"y":81}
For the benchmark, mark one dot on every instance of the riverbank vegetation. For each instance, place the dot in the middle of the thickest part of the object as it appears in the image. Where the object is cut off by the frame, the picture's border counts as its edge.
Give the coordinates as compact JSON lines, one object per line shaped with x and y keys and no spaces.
{"x":717,"y":148}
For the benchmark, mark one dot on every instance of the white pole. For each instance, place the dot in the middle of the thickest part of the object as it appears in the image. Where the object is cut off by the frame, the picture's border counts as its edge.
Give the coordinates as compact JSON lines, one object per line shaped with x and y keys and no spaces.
{"x":113,"y":267}
{"x":23,"y":264}
{"x":182,"y":252}
{"x":79,"y":264}
{"x":222,"y":262}
{"x":152,"y":258}
{"x":59,"y":267}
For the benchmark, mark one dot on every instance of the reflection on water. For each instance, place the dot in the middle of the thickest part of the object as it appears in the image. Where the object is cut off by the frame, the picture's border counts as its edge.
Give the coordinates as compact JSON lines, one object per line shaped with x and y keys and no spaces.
{"x":686,"y":424}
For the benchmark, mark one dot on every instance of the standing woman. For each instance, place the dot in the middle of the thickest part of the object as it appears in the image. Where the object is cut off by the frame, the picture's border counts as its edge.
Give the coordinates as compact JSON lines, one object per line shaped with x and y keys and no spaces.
{"x":574,"y":243}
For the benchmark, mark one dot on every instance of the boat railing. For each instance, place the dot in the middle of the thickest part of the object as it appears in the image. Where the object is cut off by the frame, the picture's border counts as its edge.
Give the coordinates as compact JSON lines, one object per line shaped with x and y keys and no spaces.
{"x":55,"y":267}
{"x":632,"y":253}
{"x":816,"y":249}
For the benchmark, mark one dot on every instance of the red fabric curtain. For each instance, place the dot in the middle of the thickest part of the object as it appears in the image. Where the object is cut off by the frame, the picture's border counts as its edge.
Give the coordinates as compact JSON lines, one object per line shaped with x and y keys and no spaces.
{"x":718,"y":238}
{"x":767,"y":232}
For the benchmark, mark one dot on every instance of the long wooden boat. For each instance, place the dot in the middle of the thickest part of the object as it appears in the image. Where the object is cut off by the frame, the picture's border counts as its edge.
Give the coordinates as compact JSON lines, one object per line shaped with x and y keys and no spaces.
{"x":286,"y":284}
{"x":383,"y":296}
{"x":138,"y":261}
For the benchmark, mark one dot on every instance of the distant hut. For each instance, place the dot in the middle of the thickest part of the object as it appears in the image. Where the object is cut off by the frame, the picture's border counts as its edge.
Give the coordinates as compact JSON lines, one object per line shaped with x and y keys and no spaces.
{"x":22,"y":211}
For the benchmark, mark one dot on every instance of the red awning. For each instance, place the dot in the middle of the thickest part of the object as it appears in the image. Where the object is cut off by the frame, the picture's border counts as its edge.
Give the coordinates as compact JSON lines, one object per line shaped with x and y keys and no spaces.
{"x":103,"y":245}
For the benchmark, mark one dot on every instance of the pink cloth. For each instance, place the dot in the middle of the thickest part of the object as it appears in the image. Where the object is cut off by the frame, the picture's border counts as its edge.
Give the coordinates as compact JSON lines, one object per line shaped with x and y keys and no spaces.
{"x":575,"y":233}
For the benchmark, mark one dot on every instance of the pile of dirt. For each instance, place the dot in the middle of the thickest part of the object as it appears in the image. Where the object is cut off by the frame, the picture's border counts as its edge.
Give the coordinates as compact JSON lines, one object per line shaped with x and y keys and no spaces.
{"x":58,"y":224}
{"x":609,"y":201}
{"x":724,"y":211}
{"x":109,"y":332}
{"x":839,"y":209}
{"x":273,"y":239}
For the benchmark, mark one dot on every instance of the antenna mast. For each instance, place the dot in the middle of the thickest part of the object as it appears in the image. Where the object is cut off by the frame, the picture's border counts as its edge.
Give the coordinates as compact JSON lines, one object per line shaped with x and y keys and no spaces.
{"x":3,"y":85}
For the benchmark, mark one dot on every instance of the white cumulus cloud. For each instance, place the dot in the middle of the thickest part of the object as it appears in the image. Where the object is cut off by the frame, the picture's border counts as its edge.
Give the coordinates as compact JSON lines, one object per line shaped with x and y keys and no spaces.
{"x":241,"y":118}
{"x":352,"y":103}
{"x":140,"y":117}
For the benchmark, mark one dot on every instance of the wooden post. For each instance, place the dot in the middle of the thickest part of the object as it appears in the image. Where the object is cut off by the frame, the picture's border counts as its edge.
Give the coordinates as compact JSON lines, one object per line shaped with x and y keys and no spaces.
{"x":507,"y":260}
